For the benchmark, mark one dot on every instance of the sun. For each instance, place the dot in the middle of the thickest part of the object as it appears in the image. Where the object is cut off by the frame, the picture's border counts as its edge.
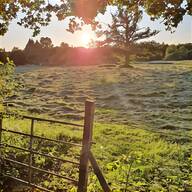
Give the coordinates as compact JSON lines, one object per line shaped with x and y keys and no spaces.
{"x":85,"y":39}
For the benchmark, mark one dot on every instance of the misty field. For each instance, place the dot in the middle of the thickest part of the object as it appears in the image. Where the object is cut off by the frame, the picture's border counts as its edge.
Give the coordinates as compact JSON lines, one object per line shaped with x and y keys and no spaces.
{"x":159,"y":96}
{"x":143,"y":120}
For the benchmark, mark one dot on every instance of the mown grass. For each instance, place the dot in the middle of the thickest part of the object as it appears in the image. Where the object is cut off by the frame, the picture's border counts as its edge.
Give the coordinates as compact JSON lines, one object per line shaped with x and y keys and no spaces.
{"x":142,"y":129}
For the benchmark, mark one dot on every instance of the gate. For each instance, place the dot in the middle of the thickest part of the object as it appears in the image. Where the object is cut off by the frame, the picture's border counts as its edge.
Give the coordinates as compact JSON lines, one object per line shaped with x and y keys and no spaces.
{"x":86,"y":155}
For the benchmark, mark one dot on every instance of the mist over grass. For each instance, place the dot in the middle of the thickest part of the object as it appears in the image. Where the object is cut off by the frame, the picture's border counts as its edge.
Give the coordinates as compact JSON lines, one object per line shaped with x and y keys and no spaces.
{"x":142,"y":123}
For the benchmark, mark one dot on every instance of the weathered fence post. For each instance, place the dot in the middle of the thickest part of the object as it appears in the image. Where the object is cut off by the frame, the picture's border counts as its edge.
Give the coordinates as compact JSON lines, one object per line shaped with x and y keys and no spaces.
{"x":98,"y":173}
{"x":87,"y":140}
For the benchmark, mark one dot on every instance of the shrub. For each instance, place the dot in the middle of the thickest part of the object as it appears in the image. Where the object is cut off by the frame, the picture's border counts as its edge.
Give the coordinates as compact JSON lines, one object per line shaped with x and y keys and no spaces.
{"x":6,"y":80}
{"x":18,"y":57}
{"x":177,"y":53}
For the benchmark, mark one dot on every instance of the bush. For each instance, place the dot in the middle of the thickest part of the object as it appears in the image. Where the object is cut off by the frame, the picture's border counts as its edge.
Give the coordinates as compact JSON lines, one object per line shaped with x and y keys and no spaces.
{"x":190,"y":54}
{"x":18,"y":57}
{"x":7,"y":83}
{"x":177,"y":53}
{"x":3,"y":56}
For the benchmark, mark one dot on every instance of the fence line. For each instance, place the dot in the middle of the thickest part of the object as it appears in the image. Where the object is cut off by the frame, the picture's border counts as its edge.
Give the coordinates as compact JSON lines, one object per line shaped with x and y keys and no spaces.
{"x":86,"y":155}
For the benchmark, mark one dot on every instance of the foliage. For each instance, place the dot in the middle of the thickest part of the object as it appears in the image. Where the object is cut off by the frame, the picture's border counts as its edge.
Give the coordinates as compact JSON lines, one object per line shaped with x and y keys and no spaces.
{"x":180,"y":52}
{"x":6,"y":80}
{"x":42,"y":146}
{"x":18,"y":57}
{"x":3,"y":56}
{"x":142,"y":160}
{"x":15,"y":49}
{"x":137,"y":172}
{"x":38,"y":13}
{"x":147,"y":51}
{"x":35,"y":14}
{"x":37,"y":53}
{"x":46,"y":42}
{"x":124,"y":31}
{"x":64,"y":45}
{"x":134,"y":160}
{"x":171,"y":12}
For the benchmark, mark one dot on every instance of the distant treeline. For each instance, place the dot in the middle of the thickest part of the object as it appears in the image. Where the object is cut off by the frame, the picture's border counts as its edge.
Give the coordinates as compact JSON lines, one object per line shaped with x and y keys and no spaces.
{"x":44,"y":53}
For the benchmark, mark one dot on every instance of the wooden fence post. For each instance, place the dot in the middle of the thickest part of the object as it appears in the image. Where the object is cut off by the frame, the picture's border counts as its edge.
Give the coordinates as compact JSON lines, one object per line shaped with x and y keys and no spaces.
{"x":98,"y":173}
{"x":87,"y":140}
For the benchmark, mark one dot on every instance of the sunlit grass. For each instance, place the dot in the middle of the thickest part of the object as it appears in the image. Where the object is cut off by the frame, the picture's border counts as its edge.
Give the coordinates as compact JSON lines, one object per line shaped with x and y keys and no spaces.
{"x":143,"y":118}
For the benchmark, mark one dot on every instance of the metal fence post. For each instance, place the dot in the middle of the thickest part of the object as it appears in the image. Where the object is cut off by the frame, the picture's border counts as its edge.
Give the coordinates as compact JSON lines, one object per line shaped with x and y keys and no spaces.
{"x":87,"y":140}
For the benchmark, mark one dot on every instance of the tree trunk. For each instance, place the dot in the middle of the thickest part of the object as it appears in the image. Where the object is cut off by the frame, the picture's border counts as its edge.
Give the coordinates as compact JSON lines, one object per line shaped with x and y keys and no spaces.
{"x":127,"y":60}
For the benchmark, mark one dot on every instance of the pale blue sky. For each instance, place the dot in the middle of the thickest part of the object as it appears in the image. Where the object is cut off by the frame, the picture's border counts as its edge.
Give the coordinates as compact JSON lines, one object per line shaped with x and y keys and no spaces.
{"x":18,"y":36}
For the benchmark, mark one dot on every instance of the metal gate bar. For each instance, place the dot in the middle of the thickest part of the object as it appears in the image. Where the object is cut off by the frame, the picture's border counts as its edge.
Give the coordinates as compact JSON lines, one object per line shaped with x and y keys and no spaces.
{"x":43,"y":138}
{"x":85,"y":155}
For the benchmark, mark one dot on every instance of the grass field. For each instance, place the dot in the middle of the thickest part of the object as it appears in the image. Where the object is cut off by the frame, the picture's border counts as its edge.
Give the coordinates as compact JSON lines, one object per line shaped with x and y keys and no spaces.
{"x":143,"y":120}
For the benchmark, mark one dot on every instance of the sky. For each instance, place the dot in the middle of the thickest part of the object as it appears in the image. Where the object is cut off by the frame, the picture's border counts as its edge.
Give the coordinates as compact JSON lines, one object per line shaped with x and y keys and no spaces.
{"x":18,"y":36}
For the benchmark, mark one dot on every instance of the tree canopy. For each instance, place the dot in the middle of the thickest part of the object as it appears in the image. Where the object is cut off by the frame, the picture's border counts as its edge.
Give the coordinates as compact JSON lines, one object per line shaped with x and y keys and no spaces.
{"x":124,"y":30}
{"x":46,"y":42}
{"x":34,"y":14}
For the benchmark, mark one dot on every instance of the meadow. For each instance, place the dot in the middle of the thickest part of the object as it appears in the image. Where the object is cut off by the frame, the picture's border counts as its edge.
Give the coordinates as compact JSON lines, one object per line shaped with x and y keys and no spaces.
{"x":143,"y":120}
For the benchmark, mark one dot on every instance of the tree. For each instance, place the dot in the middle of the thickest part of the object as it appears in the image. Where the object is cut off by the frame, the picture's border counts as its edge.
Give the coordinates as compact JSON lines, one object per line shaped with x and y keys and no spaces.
{"x":123,"y":32}
{"x":3,"y":56}
{"x":38,"y":13}
{"x":46,"y":42}
{"x":149,"y":50}
{"x":32,"y":47}
{"x":64,"y":45}
{"x":18,"y":57}
{"x":170,"y":49}
{"x":174,"y":52}
{"x":15,"y":49}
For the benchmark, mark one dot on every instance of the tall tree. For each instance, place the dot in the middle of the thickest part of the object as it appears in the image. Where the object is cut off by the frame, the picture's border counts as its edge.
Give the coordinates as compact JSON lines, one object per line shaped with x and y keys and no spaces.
{"x":64,"y":45}
{"x":124,"y":31}
{"x":46,"y":42}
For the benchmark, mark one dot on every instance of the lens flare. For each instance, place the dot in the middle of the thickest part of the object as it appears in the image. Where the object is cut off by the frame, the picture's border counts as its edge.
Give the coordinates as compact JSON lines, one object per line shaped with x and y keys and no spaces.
{"x":85,"y":39}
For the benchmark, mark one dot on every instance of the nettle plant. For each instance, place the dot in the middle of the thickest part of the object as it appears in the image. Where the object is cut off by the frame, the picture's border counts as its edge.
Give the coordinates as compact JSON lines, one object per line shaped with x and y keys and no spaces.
{"x":7,"y":82}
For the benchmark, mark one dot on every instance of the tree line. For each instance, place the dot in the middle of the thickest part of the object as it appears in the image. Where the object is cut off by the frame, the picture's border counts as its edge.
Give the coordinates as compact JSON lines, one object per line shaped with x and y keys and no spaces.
{"x":43,"y":52}
{"x":121,"y":35}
